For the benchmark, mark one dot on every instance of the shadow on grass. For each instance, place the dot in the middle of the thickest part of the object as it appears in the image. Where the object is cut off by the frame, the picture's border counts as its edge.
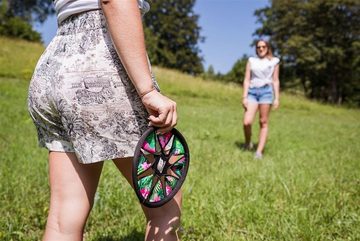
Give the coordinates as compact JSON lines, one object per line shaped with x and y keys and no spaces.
{"x":133,"y":236}
{"x":241,"y":146}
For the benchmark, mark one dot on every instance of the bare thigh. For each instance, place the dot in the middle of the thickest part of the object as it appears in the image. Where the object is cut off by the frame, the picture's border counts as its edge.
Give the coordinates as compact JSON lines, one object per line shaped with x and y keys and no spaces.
{"x":73,"y":186}
{"x":264,"y":112}
{"x":250,"y":113}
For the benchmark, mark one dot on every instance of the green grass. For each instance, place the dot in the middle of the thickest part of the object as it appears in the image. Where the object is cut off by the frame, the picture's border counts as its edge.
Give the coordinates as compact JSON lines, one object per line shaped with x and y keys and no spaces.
{"x":306,"y":188}
{"x":18,"y":57}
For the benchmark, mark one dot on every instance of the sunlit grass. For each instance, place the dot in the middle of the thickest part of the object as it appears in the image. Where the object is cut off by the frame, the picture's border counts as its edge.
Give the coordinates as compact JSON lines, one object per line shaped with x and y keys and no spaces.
{"x":18,"y":57}
{"x":307,"y":187}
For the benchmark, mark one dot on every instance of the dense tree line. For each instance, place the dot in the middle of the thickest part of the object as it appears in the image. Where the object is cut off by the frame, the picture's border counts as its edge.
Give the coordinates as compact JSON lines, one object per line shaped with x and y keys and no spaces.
{"x":318,"y":42}
{"x":235,"y":75}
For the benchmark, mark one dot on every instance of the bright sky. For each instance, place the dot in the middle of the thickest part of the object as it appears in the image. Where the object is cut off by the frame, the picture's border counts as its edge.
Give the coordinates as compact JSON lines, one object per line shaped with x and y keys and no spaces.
{"x":227,"y":26}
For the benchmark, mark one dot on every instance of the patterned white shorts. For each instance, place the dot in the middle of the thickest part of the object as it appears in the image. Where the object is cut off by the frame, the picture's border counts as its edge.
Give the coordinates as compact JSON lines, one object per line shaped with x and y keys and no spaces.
{"x":80,"y":97}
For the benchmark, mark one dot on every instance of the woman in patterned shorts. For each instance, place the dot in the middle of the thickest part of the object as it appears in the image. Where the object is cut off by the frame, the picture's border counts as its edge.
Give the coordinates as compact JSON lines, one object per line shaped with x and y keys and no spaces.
{"x":91,"y":97}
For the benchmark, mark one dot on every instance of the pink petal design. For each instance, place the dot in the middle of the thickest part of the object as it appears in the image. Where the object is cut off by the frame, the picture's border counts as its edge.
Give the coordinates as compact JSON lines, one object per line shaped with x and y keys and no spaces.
{"x":163,"y":139}
{"x":168,"y":190}
{"x":145,"y":165}
{"x":181,"y":161}
{"x":169,"y":145}
{"x":146,"y":147}
{"x":144,"y":192}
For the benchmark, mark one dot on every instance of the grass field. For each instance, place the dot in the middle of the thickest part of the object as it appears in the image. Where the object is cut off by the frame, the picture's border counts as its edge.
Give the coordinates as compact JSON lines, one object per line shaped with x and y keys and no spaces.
{"x":307,"y":187}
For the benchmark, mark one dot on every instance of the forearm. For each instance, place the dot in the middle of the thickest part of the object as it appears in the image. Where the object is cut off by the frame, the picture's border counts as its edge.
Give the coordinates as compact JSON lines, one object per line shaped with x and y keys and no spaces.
{"x":125,"y":26}
{"x":247,"y":77}
{"x":276,"y":84}
{"x":246,"y":85}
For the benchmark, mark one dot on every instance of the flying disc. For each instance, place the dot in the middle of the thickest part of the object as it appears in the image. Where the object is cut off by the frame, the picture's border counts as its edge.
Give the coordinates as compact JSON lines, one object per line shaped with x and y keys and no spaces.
{"x":160,"y":166}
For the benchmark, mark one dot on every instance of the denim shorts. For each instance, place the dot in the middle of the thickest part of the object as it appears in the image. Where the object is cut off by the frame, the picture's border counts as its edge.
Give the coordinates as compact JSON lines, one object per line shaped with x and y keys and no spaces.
{"x":261,"y":95}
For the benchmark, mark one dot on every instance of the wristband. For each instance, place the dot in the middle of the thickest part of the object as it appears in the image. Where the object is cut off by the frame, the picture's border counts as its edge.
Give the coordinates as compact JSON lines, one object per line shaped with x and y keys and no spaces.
{"x":146,"y":92}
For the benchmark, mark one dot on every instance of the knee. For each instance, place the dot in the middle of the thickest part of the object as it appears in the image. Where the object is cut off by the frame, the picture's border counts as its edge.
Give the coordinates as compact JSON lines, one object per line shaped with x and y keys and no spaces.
{"x":247,"y":123}
{"x":263,"y":122}
{"x":61,"y":215}
{"x":170,"y":217}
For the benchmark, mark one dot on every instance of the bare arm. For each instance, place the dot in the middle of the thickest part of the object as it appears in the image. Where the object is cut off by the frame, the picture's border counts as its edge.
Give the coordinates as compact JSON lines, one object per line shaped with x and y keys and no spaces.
{"x":276,"y":84}
{"x":125,"y":26}
{"x":246,"y":84}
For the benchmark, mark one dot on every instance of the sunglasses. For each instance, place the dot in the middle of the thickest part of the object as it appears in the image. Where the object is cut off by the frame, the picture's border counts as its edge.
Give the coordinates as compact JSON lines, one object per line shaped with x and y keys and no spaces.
{"x":261,"y":47}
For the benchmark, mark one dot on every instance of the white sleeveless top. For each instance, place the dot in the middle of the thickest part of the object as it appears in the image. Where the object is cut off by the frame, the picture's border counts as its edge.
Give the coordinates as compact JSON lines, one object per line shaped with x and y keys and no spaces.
{"x":66,"y":8}
{"x":262,"y":70}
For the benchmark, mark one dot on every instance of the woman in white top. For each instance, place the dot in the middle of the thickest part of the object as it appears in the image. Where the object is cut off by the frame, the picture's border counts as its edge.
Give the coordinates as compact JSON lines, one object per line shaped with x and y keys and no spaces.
{"x":91,"y":97}
{"x":261,"y":90}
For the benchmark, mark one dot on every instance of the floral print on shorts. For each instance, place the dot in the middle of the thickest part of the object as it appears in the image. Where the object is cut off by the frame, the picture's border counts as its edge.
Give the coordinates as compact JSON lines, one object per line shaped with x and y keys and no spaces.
{"x":80,"y":96}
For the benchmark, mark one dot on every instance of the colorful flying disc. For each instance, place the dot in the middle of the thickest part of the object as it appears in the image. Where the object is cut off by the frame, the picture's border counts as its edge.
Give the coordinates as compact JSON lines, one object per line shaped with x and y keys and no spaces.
{"x":160,"y":165}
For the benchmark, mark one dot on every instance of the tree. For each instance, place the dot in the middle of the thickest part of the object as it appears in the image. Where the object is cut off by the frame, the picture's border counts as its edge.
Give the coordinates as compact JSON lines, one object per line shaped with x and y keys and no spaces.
{"x":237,"y":72}
{"x":209,"y":74}
{"x":15,"y":26}
{"x":30,"y":10}
{"x":319,"y":44}
{"x":172,"y":35}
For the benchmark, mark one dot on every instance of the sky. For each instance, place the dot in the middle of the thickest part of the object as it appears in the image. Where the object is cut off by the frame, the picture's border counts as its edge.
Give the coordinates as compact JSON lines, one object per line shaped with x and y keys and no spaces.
{"x":227,"y":26}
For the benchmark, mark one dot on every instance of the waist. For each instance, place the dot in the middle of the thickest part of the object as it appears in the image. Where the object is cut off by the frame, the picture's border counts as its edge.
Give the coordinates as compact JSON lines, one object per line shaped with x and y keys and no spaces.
{"x":265,"y":86}
{"x":67,"y":8}
{"x":82,"y":22}
{"x":256,"y":82}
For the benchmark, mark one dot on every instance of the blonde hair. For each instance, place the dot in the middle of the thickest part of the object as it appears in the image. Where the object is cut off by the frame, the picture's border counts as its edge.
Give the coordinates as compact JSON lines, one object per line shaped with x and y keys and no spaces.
{"x":269,"y":53}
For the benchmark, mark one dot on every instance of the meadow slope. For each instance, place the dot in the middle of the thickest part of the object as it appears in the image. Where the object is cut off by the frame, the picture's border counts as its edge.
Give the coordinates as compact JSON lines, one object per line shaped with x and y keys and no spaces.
{"x":307,"y":187}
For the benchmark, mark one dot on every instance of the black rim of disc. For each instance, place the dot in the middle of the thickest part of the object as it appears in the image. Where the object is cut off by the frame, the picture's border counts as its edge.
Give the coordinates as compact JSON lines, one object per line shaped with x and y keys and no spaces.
{"x":162,"y":166}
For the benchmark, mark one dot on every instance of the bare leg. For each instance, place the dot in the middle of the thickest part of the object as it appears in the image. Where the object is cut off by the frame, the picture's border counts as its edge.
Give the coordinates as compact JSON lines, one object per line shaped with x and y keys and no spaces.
{"x":249,"y":117}
{"x":162,"y":222}
{"x":264,"y":110}
{"x":73,"y":186}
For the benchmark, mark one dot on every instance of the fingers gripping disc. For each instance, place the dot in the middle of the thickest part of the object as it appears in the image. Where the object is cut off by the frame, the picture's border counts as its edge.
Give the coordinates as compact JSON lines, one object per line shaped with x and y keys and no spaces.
{"x":160,"y":165}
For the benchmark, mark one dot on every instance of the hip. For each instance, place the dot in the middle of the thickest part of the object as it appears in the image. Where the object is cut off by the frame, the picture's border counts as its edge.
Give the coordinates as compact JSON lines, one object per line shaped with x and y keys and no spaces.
{"x":261,"y":95}
{"x":267,"y":88}
{"x":81,"y":67}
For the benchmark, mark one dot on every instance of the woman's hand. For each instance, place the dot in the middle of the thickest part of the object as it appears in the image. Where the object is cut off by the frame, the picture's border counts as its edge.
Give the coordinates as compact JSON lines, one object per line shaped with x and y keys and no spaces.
{"x":276,"y":104}
{"x":245,"y":103}
{"x":161,"y":109}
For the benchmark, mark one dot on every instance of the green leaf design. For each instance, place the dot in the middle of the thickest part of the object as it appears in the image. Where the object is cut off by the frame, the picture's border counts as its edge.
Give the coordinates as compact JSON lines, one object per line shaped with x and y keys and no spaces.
{"x":158,"y":193}
{"x":150,"y":139}
{"x":180,"y":163}
{"x":145,"y":182}
{"x":178,"y":148}
{"x":171,"y":182}
{"x":140,"y":168}
{"x":177,"y":170}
